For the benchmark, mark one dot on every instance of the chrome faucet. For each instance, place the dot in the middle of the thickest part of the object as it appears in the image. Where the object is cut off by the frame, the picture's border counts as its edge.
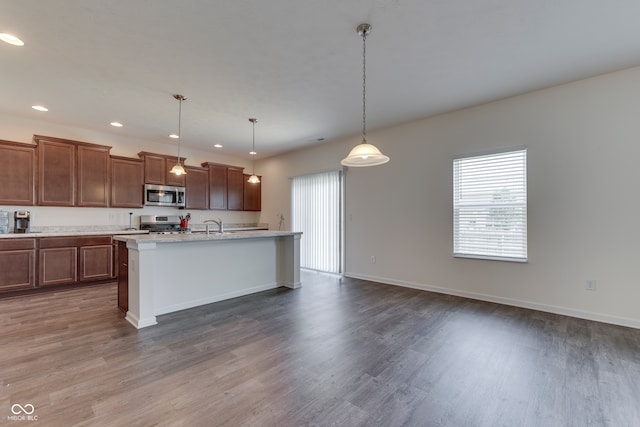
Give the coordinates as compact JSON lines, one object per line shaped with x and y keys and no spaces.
{"x":216,"y":221}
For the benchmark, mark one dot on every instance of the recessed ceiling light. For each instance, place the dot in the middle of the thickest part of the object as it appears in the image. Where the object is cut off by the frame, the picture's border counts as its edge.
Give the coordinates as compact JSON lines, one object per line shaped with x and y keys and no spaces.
{"x":253,"y":153}
{"x":116,"y":124}
{"x":39,"y":108}
{"x":174,"y":136}
{"x":218,"y":145}
{"x":11,"y":39}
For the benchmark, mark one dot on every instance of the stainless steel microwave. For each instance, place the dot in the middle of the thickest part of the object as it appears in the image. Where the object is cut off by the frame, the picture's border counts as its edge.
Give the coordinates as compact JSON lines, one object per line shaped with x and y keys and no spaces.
{"x":164,"y":195}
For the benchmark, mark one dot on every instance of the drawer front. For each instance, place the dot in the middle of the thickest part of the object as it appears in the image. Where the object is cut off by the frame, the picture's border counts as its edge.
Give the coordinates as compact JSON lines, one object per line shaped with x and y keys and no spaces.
{"x":61,"y":242}
{"x":17,"y":244}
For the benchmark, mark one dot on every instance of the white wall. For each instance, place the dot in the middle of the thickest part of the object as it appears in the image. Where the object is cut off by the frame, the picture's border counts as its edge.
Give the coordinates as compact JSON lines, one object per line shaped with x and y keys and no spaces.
{"x":583,"y":143}
{"x":22,"y":129}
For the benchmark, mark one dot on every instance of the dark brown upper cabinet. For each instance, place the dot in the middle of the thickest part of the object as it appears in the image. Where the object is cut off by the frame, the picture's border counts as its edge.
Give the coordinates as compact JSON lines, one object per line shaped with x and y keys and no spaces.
{"x":197,"y":188}
{"x":235,"y":189}
{"x":72,"y":173}
{"x":127,"y":181}
{"x":93,"y":176}
{"x":17,"y":173}
{"x":252,"y":194}
{"x":154,"y":169}
{"x":56,"y":173}
{"x":157,"y":167}
{"x":217,"y":185}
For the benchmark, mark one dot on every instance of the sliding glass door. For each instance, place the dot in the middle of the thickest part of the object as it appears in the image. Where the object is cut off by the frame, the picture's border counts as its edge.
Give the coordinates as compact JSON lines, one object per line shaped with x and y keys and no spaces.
{"x":316,"y":205}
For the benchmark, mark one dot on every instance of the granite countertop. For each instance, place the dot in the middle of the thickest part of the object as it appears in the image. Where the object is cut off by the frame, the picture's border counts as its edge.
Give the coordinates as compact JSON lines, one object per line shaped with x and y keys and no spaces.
{"x":71,"y":233}
{"x":101,"y":230}
{"x":197,"y":237}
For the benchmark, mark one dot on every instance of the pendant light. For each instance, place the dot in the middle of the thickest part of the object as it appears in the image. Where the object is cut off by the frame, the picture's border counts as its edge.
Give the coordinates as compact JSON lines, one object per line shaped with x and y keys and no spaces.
{"x":178,"y":169}
{"x":364,"y":154}
{"x":253,"y":179}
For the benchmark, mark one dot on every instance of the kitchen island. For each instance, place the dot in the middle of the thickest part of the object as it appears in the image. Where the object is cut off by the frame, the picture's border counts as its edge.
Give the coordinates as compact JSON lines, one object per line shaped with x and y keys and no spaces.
{"x":172,"y":272}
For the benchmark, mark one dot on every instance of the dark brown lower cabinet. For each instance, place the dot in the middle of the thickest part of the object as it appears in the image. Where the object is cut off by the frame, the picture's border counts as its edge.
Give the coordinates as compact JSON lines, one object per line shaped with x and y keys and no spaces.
{"x":58,"y":266}
{"x":17,"y":264}
{"x":96,"y":262}
{"x":123,"y":276}
{"x":68,"y":260}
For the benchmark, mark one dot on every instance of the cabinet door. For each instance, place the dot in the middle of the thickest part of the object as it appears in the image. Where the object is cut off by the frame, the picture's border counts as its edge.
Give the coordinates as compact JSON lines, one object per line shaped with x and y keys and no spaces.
{"x":17,"y":264}
{"x":93,"y":176}
{"x":17,"y":173}
{"x":217,"y":187}
{"x":17,"y":270}
{"x":235,"y":189}
{"x":57,"y":172}
{"x":58,"y":266}
{"x":127,"y":182}
{"x":252,"y":195}
{"x":197,"y":188}
{"x":96,"y":262}
{"x":154,"y":169}
{"x":123,"y":276}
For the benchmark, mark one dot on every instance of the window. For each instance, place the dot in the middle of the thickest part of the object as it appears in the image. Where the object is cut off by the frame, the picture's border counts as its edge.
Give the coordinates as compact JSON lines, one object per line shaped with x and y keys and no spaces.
{"x":490,"y":206}
{"x":316,"y":211}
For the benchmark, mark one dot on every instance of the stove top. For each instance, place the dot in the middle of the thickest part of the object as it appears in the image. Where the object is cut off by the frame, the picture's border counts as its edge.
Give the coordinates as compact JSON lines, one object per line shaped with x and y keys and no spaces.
{"x":170,"y":231}
{"x":157,"y":224}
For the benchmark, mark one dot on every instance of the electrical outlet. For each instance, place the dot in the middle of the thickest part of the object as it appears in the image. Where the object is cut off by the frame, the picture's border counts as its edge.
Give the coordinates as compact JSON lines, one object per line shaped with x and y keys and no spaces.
{"x":373,"y":259}
{"x":591,"y":285}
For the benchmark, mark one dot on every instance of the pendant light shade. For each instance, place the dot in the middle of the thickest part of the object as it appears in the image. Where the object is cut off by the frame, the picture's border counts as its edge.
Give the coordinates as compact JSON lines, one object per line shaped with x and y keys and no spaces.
{"x":178,"y":169}
{"x":364,"y":154}
{"x":253,"y":179}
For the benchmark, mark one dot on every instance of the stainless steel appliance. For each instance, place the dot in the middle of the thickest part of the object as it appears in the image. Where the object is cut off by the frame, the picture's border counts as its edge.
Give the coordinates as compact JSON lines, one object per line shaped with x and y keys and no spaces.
{"x":21,"y":221}
{"x":158,"y":224}
{"x":164,"y":195}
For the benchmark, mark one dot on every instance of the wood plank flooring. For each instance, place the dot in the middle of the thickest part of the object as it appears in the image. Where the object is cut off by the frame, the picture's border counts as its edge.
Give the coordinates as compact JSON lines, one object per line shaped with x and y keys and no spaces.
{"x":333,"y":353}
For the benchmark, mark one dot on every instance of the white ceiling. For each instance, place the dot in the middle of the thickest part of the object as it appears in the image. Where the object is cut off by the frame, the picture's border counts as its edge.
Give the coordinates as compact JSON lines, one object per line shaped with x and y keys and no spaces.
{"x":294,"y":64}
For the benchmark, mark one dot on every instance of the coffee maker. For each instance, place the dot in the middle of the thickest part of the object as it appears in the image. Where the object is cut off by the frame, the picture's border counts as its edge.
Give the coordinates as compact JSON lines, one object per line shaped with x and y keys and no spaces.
{"x":21,"y":221}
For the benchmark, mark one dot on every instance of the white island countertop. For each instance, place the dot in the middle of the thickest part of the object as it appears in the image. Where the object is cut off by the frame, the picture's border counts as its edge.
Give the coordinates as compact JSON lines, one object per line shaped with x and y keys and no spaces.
{"x":202,"y":236}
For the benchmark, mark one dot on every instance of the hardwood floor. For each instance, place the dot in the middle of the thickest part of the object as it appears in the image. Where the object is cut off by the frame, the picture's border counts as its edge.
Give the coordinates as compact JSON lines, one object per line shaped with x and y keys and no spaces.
{"x":335,"y":352}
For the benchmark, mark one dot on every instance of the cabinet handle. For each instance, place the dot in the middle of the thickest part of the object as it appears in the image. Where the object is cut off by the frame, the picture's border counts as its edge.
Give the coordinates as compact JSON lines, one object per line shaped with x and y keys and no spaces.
{"x":124,"y":265}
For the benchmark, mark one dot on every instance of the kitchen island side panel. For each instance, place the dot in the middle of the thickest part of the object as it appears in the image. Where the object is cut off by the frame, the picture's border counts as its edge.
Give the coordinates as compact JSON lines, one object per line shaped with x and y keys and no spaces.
{"x":196,"y":273}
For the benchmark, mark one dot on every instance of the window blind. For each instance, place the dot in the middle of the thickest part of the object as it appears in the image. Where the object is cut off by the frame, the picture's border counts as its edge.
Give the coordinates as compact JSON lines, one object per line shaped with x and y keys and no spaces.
{"x":490,"y":206}
{"x":316,"y":208}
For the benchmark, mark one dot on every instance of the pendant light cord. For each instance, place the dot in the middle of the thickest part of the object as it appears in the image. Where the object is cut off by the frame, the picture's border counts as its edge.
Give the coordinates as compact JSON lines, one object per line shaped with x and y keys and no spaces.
{"x":253,"y":148}
{"x":179,"y":125}
{"x":364,"y":86}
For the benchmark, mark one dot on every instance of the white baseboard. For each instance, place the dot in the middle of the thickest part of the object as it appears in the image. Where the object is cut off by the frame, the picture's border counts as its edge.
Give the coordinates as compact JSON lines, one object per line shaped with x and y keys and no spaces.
{"x":138,"y":323}
{"x":291,"y":285}
{"x":598,"y":317}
